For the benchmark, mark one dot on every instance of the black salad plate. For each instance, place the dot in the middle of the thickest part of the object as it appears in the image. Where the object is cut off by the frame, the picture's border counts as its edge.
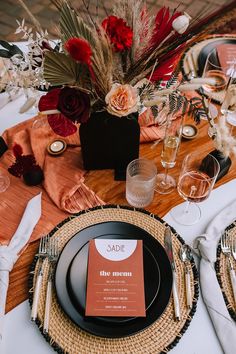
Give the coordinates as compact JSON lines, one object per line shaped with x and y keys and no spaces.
{"x":71,"y":279}
{"x":206,"y":50}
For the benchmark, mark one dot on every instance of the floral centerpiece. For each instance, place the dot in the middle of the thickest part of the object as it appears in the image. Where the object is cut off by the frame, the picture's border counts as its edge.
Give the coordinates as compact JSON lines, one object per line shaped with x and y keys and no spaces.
{"x":113,"y":65}
{"x":106,"y":70}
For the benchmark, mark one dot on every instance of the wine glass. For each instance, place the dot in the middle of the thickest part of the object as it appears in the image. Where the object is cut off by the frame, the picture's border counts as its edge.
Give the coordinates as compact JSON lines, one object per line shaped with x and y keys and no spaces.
{"x":213,"y":70}
{"x":173,"y":131}
{"x":196,"y":180}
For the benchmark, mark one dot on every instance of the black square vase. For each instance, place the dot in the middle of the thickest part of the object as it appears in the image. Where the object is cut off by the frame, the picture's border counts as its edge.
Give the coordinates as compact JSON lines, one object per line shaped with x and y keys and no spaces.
{"x":109,"y":142}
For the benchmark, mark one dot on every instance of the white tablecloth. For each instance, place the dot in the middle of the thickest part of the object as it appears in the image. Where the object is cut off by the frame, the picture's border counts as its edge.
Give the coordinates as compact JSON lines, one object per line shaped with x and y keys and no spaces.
{"x":23,"y":337}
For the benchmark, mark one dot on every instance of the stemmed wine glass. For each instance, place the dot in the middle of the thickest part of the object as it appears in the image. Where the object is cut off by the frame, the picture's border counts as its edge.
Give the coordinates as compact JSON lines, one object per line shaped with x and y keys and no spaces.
{"x":173,"y":131}
{"x":213,"y":70}
{"x":196,"y":180}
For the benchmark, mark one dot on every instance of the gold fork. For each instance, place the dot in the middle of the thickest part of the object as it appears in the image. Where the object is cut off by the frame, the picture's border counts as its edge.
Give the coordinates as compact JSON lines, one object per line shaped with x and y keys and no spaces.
{"x":53,"y":253}
{"x":42,"y":254}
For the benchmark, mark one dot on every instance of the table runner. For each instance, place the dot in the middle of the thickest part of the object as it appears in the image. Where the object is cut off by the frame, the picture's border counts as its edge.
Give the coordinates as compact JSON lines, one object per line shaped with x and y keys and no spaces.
{"x":64,"y":189}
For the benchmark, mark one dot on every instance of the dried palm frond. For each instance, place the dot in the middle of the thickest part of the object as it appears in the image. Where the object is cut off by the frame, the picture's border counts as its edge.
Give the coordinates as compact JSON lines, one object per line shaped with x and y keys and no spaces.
{"x":72,"y":25}
{"x":60,"y":69}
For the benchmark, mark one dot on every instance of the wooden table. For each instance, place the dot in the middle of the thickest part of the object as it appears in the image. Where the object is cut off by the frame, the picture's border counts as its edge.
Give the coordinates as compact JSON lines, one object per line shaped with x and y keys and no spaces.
{"x":113,"y":192}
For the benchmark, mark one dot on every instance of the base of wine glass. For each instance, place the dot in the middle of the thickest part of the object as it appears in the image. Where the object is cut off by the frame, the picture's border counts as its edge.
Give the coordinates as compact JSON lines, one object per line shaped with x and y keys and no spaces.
{"x":4,"y":182}
{"x":165,"y":184}
{"x":186,"y":215}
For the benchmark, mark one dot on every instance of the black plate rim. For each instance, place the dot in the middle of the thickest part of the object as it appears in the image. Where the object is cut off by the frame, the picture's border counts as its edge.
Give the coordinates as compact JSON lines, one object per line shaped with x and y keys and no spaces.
{"x":133,"y":327}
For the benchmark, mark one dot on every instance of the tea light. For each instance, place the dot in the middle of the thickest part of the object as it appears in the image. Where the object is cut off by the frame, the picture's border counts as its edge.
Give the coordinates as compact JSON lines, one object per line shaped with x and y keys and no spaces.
{"x":56,"y":147}
{"x":189,"y":131}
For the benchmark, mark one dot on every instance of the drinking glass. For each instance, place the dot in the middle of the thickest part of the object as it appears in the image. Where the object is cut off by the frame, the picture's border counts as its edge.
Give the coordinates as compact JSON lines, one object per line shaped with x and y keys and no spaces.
{"x":140,"y":182}
{"x":196,"y":180}
{"x":173,"y":131}
{"x":4,"y":181}
{"x":214,"y":71}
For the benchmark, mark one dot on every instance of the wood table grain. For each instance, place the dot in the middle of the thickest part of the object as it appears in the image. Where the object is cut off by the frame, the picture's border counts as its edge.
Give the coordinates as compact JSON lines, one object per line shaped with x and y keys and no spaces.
{"x":113,"y":192}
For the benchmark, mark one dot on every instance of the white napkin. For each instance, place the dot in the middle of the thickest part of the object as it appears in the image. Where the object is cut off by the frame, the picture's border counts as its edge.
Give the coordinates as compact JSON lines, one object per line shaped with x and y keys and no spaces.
{"x":206,"y":245}
{"x":9,"y":254}
{"x":6,"y":98}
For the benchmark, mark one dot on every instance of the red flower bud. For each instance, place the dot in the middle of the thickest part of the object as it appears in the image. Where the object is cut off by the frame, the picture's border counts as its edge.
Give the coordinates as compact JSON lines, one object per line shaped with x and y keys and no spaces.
{"x":79,"y":49}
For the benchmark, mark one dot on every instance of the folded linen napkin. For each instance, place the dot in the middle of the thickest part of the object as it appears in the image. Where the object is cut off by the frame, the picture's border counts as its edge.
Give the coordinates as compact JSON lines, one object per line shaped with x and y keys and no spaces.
{"x":206,"y":246}
{"x":10,"y":253}
{"x":6,"y":97}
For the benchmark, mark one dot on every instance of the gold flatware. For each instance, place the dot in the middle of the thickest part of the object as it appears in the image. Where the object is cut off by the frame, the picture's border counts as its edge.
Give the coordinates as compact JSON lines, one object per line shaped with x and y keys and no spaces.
{"x":42,"y":254}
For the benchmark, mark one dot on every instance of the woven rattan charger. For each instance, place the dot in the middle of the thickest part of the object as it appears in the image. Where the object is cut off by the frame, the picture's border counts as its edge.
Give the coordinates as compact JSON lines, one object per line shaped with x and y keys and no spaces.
{"x":221,"y":267}
{"x":65,"y":337}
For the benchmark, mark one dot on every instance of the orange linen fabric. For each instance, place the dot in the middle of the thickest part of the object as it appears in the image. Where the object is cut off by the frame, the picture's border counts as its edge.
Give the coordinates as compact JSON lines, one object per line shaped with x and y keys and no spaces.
{"x":63,"y":183}
{"x":63,"y":189}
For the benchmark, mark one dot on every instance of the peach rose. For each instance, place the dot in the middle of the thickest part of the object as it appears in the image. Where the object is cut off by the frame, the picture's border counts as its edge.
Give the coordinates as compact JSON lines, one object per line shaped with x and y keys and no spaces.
{"x":122,"y":100}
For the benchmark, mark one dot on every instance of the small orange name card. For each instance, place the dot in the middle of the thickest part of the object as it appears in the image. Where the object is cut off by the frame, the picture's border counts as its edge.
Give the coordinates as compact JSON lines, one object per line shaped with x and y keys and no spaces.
{"x":115,"y":281}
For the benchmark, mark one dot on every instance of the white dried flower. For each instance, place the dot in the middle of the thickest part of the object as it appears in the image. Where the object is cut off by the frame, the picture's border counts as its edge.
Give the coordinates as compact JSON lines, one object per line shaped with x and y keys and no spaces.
{"x":181,"y":23}
{"x":224,"y":141}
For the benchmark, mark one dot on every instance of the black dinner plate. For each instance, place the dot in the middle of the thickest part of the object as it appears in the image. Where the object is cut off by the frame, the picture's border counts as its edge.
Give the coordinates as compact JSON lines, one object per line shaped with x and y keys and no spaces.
{"x":73,"y":261}
{"x":205,"y":51}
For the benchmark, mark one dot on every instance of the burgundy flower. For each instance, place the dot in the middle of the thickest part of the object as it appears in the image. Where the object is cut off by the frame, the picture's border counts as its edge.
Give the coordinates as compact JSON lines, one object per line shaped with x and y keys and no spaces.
{"x":24,"y":164}
{"x":120,"y":35}
{"x":79,"y":49}
{"x":74,"y":104}
{"x":49,"y":101}
{"x":61,"y":125}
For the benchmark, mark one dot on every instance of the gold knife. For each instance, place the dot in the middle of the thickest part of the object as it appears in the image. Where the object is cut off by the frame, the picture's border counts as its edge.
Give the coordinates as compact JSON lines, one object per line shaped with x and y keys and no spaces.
{"x":169,"y":251}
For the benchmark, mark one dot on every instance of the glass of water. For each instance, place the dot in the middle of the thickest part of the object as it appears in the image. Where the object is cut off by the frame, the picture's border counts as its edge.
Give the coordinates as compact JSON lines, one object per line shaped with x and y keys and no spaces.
{"x":140,"y":182}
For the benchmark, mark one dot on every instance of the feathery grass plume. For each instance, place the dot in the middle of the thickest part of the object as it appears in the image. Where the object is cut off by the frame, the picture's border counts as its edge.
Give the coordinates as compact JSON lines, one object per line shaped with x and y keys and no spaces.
{"x":35,"y":22}
{"x":223,"y":140}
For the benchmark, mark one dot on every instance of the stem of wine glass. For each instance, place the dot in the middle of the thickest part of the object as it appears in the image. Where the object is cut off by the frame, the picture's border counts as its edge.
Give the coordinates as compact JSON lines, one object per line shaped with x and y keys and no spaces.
{"x":166,"y":174}
{"x":192,"y":192}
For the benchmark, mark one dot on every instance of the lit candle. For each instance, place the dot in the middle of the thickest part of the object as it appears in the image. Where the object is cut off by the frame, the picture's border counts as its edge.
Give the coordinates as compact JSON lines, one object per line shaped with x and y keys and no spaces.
{"x":56,"y":147}
{"x":189,"y":131}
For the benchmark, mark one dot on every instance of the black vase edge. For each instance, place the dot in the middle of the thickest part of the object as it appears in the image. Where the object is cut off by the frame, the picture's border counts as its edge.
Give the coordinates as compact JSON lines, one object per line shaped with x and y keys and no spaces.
{"x":106,"y":143}
{"x":224,"y":162}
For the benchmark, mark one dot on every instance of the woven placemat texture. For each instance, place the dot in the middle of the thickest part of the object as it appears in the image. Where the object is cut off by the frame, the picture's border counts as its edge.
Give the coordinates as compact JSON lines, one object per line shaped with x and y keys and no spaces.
{"x":65,"y":337}
{"x":222,"y":272}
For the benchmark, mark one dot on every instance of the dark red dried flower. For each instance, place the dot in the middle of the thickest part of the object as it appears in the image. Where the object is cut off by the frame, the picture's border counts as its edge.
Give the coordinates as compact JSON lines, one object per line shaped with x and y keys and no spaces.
{"x":120,"y":35}
{"x":61,"y":125}
{"x":17,"y":150}
{"x":49,"y":101}
{"x":79,"y":49}
{"x":24,"y":164}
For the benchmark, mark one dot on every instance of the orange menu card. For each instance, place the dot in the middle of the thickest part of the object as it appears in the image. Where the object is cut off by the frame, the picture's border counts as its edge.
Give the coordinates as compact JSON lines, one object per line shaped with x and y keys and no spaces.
{"x":115,"y":281}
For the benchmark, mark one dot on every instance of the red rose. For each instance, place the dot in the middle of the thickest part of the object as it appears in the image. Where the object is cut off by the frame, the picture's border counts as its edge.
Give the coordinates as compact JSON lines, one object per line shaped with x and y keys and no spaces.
{"x":79,"y":49}
{"x":70,"y":105}
{"x":74,"y":104}
{"x":120,"y":35}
